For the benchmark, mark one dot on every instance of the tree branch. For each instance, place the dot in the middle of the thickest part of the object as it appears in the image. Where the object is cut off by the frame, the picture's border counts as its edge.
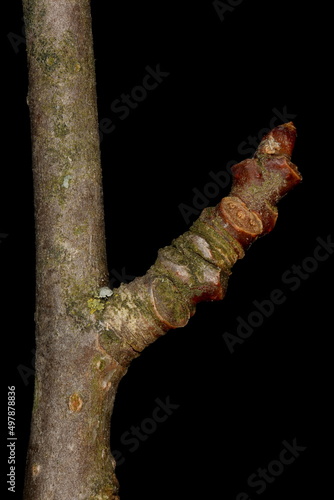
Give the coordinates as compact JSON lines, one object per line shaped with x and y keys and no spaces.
{"x":197,"y":265}
{"x":85,"y":339}
{"x":69,"y":452}
{"x":65,"y":145}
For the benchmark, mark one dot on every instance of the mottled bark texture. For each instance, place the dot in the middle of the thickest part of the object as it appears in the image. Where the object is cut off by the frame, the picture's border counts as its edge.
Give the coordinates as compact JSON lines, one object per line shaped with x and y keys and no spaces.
{"x":69,"y":454}
{"x":85,"y":339}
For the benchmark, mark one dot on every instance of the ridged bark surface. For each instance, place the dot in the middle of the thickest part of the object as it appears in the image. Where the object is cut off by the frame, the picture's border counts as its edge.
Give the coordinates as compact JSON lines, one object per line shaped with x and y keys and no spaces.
{"x":197,"y":265}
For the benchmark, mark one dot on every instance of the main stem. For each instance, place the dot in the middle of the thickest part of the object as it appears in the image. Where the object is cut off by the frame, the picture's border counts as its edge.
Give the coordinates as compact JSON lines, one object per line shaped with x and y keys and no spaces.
{"x":69,"y":455}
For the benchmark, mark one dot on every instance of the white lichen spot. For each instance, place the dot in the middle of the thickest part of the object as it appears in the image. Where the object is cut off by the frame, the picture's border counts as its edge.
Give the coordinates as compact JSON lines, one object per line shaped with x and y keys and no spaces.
{"x":106,"y":384}
{"x":203,"y":246}
{"x":105,"y":292}
{"x":271,"y":146}
{"x":66,"y":181}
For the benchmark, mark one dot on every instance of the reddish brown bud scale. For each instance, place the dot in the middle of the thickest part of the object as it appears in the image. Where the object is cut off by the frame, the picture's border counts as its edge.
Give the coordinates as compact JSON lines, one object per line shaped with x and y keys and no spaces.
{"x":290,"y":175}
{"x":268,"y":214}
{"x":262,"y":181}
{"x":279,"y":141}
{"x":247,"y":172}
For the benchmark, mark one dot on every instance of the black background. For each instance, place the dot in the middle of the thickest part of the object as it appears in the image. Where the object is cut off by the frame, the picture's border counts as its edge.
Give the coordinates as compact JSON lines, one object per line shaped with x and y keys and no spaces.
{"x":226,"y":79}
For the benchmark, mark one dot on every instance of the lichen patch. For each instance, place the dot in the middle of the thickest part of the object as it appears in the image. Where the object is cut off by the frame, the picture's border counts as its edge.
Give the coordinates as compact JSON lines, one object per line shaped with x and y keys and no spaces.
{"x":75,"y":403}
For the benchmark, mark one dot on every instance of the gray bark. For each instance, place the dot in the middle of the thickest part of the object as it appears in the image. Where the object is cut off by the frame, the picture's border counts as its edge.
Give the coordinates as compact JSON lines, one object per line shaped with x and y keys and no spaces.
{"x":69,"y":455}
